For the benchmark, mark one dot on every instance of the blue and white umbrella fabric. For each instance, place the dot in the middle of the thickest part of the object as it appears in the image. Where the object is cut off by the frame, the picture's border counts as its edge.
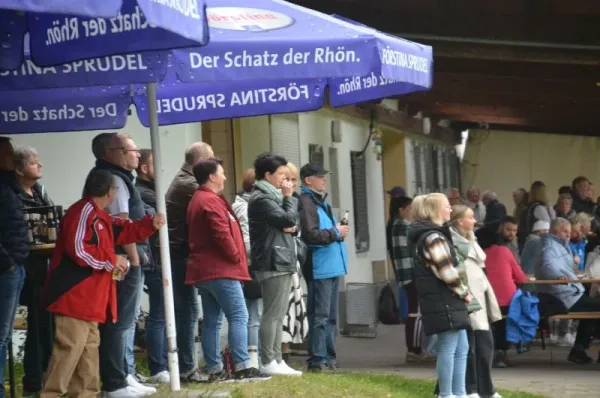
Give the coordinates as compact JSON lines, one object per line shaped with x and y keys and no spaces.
{"x":63,"y":31}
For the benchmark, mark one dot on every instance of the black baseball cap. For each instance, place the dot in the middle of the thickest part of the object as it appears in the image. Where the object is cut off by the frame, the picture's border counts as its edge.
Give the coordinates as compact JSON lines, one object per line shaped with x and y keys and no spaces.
{"x":397,"y":192}
{"x":309,"y":170}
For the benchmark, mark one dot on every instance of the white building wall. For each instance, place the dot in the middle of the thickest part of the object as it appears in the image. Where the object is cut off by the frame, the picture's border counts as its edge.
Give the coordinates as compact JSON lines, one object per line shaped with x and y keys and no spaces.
{"x":255,"y":139}
{"x":67,"y":157}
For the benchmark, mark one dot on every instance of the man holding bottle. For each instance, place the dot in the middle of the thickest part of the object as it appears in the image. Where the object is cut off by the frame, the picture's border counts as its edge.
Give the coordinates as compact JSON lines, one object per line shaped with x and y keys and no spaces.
{"x":326,"y":263}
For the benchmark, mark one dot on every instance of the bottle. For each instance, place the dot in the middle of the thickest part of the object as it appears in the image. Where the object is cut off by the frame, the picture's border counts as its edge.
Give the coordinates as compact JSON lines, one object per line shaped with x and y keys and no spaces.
{"x":29,"y":228}
{"x":346,"y":218}
{"x":52,"y":227}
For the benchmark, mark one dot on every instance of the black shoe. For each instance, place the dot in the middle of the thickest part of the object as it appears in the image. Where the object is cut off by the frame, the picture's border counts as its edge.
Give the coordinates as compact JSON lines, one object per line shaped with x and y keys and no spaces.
{"x":500,"y":360}
{"x":315,"y":369}
{"x":250,"y":375}
{"x":332,"y":367}
{"x":580,"y":357}
{"x":195,"y":377}
{"x":220,"y":377}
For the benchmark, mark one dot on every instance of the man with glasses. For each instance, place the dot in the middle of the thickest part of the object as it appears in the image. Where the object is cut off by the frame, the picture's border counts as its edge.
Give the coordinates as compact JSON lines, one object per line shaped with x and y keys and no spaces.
{"x":119,"y":155}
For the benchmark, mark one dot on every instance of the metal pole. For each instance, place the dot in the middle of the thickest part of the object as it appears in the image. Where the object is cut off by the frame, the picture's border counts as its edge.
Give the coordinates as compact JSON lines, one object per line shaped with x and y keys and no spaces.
{"x":165,"y":255}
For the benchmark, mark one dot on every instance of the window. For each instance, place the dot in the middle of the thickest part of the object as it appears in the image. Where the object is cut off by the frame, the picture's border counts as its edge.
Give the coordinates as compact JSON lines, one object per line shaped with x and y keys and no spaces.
{"x":359,"y":197}
{"x":316,"y":155}
{"x":334,"y":180}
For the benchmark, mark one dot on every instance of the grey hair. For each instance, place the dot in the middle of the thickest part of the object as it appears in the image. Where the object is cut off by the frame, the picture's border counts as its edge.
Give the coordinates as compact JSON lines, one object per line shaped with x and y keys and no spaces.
{"x":580,"y":219}
{"x":558,"y":222}
{"x":490,"y":195}
{"x":22,"y":155}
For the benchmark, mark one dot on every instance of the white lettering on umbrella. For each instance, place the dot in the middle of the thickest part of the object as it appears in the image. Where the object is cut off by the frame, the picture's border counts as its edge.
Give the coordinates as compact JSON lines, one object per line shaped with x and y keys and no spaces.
{"x":187,"y":8}
{"x":60,"y":112}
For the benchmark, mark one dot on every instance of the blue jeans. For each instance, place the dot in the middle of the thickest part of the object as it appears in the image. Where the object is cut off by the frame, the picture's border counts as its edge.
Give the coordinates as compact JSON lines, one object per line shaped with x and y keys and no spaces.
{"x":11,"y":283}
{"x":255,"y":309}
{"x":186,"y":316}
{"x":156,"y":326}
{"x":129,"y":355}
{"x":113,"y":336}
{"x":323,"y":297}
{"x":224,"y":296}
{"x":451,"y":366}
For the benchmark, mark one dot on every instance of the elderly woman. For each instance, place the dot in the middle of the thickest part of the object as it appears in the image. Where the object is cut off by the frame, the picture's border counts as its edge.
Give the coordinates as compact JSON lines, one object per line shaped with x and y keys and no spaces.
{"x":273,"y":217}
{"x":38,"y":345}
{"x":295,"y":323}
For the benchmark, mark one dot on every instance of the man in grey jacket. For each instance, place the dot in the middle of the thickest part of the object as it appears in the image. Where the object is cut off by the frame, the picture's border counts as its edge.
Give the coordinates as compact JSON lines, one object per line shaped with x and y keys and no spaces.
{"x":557,"y":263}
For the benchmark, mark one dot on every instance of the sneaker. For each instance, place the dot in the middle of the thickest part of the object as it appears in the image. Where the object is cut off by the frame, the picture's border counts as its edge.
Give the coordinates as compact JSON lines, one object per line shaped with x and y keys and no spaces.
{"x":314,"y":369}
{"x":220,"y":377}
{"x":195,"y":377}
{"x":127,"y":392}
{"x":500,"y":360}
{"x":163,"y":377}
{"x":271,"y":368}
{"x":473,"y":396}
{"x":141,"y":378}
{"x":566,"y":341}
{"x":250,"y":375}
{"x":418,"y":358}
{"x":286,"y":370}
{"x":496,"y":395}
{"x":553,"y":339}
{"x":132,"y":382}
{"x":579,"y":357}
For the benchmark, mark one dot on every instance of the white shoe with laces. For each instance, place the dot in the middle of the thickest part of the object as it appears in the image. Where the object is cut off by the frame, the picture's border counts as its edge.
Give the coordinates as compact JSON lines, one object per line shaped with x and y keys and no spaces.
{"x":286,"y":370}
{"x":475,"y":395}
{"x":163,"y":377}
{"x":133,"y":383}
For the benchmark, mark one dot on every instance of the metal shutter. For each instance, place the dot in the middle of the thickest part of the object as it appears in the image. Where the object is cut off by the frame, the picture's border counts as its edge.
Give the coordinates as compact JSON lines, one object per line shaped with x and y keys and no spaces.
{"x":359,"y":197}
{"x":430,"y":183}
{"x":418,"y":167}
{"x":316,"y":155}
{"x":285,"y":137}
{"x":334,"y":181}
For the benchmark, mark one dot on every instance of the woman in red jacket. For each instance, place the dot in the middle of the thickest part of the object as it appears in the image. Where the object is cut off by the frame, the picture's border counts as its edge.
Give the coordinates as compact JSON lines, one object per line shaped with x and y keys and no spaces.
{"x":218,"y":265}
{"x":80,"y":289}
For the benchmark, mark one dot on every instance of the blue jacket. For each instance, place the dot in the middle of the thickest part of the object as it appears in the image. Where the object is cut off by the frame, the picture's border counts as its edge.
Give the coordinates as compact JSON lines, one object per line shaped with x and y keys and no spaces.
{"x":328,"y":256}
{"x":523,"y":318}
{"x":557,"y":261}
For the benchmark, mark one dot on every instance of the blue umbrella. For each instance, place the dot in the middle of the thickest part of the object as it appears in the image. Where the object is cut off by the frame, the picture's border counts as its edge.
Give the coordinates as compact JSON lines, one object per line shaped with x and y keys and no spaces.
{"x":63,"y":31}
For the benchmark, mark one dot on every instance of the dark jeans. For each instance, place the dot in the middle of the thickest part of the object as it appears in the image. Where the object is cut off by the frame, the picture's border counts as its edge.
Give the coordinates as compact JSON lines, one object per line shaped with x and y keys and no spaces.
{"x":156,"y":329}
{"x":186,"y":315}
{"x":113,"y":336}
{"x":414,"y":326}
{"x":38,"y":344}
{"x":323,"y":297}
{"x":479,"y":363}
{"x":499,"y":330}
{"x":11,"y":283}
{"x":587,"y":327}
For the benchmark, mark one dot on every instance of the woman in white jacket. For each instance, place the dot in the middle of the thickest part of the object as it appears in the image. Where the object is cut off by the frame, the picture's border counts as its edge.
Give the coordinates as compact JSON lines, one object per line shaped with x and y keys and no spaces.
{"x":472,"y":261}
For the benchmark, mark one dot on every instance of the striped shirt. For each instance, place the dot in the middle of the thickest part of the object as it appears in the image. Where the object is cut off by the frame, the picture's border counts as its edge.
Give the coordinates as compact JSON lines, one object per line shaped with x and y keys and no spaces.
{"x":401,"y":255}
{"x":439,"y":257}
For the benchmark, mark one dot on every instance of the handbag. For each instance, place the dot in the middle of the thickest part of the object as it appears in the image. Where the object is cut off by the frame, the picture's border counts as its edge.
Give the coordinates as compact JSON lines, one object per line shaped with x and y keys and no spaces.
{"x":301,"y":251}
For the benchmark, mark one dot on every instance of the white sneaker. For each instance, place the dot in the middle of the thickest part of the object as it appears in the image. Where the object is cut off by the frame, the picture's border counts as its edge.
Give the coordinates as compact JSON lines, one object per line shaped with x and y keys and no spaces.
{"x":496,"y":395}
{"x":287,"y":371}
{"x":270,"y":369}
{"x":160,"y":378}
{"x":566,"y":341}
{"x":127,"y":392}
{"x":132,"y":382}
{"x":553,"y":339}
{"x":473,"y":395}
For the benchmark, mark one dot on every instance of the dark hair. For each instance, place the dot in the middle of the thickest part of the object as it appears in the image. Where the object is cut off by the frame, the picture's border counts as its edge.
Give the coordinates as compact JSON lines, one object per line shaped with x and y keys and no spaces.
{"x":100,"y":144}
{"x":248,"y":180}
{"x":267,"y":163}
{"x":508,"y":220}
{"x":577,"y":181}
{"x":204,"y":168}
{"x":98,"y":183}
{"x":4,"y":140}
{"x":564,"y":189}
{"x":397,"y":203}
{"x":145,"y":155}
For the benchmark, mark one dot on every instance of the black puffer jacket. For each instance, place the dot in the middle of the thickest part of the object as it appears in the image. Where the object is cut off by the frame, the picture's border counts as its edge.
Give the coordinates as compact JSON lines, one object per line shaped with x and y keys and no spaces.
{"x":271,"y":248}
{"x":441,"y":309}
{"x":14,"y":242}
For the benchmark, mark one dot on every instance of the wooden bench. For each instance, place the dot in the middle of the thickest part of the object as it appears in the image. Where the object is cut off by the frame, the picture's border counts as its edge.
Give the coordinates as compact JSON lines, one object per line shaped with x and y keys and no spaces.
{"x":577,"y":315}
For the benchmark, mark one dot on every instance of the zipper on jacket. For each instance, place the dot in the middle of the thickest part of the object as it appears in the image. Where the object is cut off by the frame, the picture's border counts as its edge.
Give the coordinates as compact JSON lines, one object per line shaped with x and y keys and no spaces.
{"x":449,"y":316}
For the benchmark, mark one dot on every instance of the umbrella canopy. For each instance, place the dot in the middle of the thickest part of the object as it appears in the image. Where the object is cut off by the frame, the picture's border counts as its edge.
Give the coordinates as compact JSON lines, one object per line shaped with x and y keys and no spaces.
{"x":62,"y":31}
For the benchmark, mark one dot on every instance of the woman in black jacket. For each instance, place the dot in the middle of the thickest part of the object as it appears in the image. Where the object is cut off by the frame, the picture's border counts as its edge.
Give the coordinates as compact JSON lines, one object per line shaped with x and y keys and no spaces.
{"x":272,"y":217}
{"x":443,"y":297}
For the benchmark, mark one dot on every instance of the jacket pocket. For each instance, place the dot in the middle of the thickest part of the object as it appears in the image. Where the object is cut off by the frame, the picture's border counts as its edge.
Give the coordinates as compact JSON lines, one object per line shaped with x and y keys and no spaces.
{"x":283,"y":259}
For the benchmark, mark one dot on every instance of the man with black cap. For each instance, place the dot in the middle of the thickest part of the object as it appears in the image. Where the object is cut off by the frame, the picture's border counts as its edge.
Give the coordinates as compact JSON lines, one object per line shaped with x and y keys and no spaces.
{"x":325,"y":263}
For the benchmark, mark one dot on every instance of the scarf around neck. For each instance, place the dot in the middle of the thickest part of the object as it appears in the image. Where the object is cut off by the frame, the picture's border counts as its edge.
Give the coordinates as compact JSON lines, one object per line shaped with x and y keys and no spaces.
{"x":270,"y":190}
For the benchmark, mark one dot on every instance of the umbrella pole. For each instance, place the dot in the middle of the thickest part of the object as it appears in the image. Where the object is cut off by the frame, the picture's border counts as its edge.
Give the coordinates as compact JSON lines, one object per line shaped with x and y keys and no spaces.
{"x":165,"y":256}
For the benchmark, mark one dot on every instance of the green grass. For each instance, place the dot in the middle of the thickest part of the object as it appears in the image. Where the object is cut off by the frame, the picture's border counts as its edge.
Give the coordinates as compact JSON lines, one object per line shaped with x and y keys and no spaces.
{"x":317,"y":386}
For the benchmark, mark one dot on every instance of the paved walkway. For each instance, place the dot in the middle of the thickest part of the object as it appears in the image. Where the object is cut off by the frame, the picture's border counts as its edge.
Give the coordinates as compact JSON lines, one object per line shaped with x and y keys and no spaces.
{"x":532,"y":372}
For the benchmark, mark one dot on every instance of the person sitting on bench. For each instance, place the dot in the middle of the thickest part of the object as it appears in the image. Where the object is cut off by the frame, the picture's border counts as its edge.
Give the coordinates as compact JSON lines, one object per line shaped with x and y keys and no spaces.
{"x":557,"y":263}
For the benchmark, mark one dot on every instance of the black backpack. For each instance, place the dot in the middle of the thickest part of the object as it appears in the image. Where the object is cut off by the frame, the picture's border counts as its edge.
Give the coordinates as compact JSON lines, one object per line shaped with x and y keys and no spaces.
{"x":388,"y":307}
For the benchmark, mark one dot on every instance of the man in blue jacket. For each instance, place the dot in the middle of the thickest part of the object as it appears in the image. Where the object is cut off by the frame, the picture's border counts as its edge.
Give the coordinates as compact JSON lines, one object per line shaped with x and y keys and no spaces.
{"x":14,"y":250}
{"x":325,"y":264}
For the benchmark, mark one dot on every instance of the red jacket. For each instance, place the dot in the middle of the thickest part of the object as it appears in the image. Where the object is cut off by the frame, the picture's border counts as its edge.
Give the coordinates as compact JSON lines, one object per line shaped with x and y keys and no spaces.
{"x":504,"y":273}
{"x":79,"y":283}
{"x":217,"y":248}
